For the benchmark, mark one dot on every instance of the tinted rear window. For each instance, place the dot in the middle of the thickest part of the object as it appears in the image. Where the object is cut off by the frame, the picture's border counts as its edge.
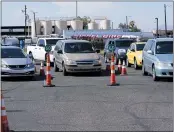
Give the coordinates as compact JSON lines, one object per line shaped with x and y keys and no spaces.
{"x":125,"y":43}
{"x":140,"y":47}
{"x":165,"y":47}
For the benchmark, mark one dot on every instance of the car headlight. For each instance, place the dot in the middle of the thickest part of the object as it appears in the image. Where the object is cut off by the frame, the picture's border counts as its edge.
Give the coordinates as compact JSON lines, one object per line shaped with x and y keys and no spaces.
{"x":96,"y":62}
{"x":70,"y":62}
{"x":30,"y":65}
{"x":163,"y":64}
{"x":3,"y":65}
{"x":139,"y":57}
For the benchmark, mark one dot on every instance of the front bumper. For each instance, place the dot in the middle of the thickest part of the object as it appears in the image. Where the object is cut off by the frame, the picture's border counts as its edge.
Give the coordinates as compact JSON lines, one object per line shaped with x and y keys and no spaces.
{"x":80,"y":68}
{"x":6,"y":72}
{"x":164,"y":72}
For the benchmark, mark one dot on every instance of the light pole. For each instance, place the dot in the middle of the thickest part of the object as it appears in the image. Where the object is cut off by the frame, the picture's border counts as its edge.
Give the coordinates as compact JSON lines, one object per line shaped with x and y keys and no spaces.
{"x":76,"y":10}
{"x":156,"y":27}
{"x":127,"y":22}
{"x":25,"y":13}
{"x":165,"y":19}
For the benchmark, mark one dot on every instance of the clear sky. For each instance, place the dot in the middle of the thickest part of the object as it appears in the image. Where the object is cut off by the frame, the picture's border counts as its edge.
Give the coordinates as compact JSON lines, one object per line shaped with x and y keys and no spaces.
{"x":143,"y":13}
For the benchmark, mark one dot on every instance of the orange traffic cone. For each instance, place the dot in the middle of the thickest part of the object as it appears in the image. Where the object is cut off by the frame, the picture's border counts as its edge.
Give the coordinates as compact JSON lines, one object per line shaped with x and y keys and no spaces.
{"x":42,"y":71}
{"x":119,"y":66}
{"x":124,"y":70}
{"x":48,"y":74}
{"x":4,"y":120}
{"x":113,"y":77}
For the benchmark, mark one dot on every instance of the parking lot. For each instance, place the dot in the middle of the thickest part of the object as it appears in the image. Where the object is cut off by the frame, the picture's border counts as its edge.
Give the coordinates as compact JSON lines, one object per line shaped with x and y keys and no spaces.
{"x":85,"y":102}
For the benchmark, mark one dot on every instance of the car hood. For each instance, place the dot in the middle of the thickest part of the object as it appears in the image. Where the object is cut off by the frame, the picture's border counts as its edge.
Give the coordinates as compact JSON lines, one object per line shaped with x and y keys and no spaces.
{"x":16,"y":61}
{"x":139,"y":52}
{"x":165,"y":57}
{"x":82,"y":56}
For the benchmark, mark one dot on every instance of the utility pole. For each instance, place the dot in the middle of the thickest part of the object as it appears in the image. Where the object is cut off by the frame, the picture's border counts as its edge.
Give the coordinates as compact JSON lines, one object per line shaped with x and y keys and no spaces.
{"x":112,"y":25}
{"x":157,"y":27}
{"x":165,"y":19}
{"x":34,"y":15}
{"x":76,"y":10}
{"x":127,"y":26}
{"x":25,"y":13}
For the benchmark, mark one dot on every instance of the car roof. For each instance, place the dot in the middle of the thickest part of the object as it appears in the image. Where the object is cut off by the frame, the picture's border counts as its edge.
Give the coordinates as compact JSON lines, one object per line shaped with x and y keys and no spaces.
{"x":164,"y":39}
{"x":9,"y":47}
{"x":74,"y":41}
{"x":51,"y":38}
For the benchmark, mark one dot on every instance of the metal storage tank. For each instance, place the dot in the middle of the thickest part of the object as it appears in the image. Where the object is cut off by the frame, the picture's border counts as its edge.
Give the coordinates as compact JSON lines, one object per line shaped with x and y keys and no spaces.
{"x":105,"y":24}
{"x":38,"y":26}
{"x":60,"y":26}
{"x":77,"y":25}
{"x":47,"y":27}
{"x":92,"y":26}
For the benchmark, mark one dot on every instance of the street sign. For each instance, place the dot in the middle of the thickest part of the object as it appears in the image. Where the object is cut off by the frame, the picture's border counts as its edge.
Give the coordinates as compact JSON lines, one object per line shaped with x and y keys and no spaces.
{"x":111,"y":47}
{"x":48,"y":48}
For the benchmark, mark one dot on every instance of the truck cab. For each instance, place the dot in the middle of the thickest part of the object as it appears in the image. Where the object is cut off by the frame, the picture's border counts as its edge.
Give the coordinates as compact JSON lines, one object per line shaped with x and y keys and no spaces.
{"x":38,"y":51}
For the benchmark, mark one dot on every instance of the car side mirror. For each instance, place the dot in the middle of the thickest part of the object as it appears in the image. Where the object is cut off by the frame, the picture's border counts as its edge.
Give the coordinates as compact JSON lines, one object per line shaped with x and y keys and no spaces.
{"x":98,"y":51}
{"x":149,"y":52}
{"x":59,"y":52}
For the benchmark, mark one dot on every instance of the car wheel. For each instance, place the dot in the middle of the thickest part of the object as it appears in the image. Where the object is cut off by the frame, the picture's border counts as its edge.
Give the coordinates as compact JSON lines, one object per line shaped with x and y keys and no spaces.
{"x":155,"y":78}
{"x":56,"y":69}
{"x":65,"y":73}
{"x":135,"y":64}
{"x":127,"y":63}
{"x":144,"y":71}
{"x":105,"y":58}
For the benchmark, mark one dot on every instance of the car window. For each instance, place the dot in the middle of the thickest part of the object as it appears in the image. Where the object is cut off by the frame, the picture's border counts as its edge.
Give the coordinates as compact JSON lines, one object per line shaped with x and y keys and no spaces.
{"x":41,"y":42}
{"x":12,"y":53}
{"x":164,"y":47}
{"x":140,"y":47}
{"x":133,"y":47}
{"x":59,"y":45}
{"x":52,"y":41}
{"x":124,"y":43}
{"x":153,"y":47}
{"x":148,"y":45}
{"x":78,"y":47}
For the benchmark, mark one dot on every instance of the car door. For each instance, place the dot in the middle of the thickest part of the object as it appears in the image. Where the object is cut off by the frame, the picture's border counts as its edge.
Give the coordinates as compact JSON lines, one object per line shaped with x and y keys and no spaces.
{"x":132,"y":54}
{"x":129,"y":53}
{"x":148,"y":56}
{"x":42,"y":51}
{"x":36,"y":50}
{"x":152,"y":56}
{"x":58,"y":55}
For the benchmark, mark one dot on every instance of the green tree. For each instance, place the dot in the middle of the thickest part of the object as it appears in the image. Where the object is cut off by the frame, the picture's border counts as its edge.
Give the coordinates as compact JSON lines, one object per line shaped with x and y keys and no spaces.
{"x":85,"y":20}
{"x":122,"y":26}
{"x":133,"y":27}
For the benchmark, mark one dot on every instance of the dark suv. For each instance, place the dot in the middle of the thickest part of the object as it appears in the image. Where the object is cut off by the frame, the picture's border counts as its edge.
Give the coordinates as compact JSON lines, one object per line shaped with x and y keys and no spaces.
{"x":121,"y":48}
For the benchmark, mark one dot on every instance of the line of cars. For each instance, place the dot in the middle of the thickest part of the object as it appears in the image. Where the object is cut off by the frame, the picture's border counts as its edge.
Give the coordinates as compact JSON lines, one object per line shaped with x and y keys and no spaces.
{"x":155,"y":56}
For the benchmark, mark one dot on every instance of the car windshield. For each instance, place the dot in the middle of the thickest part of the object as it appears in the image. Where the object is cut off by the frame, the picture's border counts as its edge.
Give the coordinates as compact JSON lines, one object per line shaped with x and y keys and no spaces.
{"x":52,"y":41}
{"x":165,"y":47}
{"x":140,"y":47}
{"x":125,"y":43}
{"x":79,"y":47}
{"x":12,"y":53}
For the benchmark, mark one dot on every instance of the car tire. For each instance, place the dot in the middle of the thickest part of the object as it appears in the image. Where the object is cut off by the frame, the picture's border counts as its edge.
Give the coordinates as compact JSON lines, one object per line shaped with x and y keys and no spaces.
{"x":127,"y":63}
{"x":135,"y":64}
{"x":65,"y":73}
{"x":99,"y":73}
{"x":105,"y":58}
{"x":56,"y":69}
{"x":144,"y":70}
{"x":155,"y":78}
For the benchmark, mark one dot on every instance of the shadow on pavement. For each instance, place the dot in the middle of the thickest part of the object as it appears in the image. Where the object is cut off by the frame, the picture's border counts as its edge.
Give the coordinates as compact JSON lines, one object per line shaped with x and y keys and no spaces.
{"x":24,"y":79}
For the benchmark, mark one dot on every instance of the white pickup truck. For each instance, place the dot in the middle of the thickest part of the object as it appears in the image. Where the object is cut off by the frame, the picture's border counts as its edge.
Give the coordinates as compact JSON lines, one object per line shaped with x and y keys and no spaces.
{"x":38,"y":50}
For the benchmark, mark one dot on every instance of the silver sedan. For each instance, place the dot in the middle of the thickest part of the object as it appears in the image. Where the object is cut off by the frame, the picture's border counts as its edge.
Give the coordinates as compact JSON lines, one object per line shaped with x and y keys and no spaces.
{"x":15,"y":63}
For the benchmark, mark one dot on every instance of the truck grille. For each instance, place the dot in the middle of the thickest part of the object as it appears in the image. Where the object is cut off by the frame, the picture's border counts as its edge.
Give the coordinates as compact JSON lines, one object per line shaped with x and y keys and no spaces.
{"x":16,"y":66}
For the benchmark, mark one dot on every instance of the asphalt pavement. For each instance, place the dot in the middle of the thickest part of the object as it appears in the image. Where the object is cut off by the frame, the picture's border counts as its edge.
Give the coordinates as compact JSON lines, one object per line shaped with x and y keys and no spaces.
{"x":86,"y":103}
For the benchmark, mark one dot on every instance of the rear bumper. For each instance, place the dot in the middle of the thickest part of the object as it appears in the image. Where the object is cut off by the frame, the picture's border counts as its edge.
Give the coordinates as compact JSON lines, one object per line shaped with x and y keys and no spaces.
{"x":75,"y":69}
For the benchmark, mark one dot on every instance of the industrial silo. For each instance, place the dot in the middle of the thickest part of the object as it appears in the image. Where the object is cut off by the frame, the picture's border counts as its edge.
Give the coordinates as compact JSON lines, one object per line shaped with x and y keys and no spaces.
{"x":38,"y":26}
{"x":77,"y":25}
{"x":92,"y":26}
{"x":105,"y":24}
{"x":46,"y":27}
{"x":60,"y":26}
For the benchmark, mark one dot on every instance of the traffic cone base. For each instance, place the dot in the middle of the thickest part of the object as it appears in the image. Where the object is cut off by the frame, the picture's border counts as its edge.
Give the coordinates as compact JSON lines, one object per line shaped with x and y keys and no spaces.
{"x":49,"y":85}
{"x":116,"y":84}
